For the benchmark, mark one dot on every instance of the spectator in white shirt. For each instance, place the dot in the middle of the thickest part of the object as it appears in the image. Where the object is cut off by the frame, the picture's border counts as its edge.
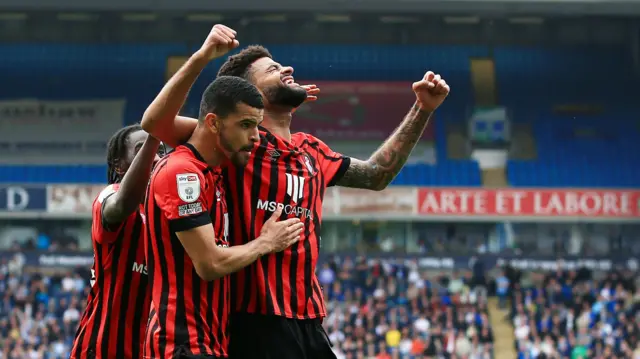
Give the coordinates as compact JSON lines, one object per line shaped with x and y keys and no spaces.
{"x":522,"y":331}
{"x":71,"y":315}
{"x":405,"y":343}
{"x":80,"y":283}
{"x":462,"y":346}
{"x":606,"y":292}
{"x":68,"y":284}
{"x":421,"y":325}
{"x":336,"y":336}
{"x":456,"y":284}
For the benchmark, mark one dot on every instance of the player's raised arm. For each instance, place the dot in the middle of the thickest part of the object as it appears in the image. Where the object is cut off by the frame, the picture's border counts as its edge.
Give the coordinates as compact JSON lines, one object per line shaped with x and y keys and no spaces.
{"x":383,"y":166}
{"x":119,"y":205}
{"x":212,"y":262}
{"x":161,"y":117}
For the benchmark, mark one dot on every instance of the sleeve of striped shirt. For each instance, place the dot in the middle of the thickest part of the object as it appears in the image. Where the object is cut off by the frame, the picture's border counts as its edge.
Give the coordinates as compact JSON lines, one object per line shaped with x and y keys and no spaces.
{"x":332,"y":164}
{"x":179,"y":192}
{"x":104,"y":232}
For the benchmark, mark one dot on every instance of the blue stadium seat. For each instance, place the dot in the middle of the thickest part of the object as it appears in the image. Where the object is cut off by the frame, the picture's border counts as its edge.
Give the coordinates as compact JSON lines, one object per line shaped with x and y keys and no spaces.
{"x":573,"y":151}
{"x":530,"y":80}
{"x":533,"y":77}
{"x":585,"y":152}
{"x":458,"y":173}
{"x":449,"y":173}
{"x":54,"y":174}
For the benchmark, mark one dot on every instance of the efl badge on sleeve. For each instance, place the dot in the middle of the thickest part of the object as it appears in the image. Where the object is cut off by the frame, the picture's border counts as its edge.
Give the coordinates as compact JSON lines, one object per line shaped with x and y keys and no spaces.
{"x":106,"y":193}
{"x":188,"y":187}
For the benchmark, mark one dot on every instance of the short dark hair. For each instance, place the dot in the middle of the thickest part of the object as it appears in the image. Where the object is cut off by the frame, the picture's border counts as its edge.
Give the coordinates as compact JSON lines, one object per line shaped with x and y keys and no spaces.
{"x":223,"y":95}
{"x":238,"y":65}
{"x":116,"y":150}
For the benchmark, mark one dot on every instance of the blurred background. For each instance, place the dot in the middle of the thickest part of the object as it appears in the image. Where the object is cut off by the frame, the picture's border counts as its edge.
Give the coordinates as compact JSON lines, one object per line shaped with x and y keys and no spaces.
{"x":512,"y":232}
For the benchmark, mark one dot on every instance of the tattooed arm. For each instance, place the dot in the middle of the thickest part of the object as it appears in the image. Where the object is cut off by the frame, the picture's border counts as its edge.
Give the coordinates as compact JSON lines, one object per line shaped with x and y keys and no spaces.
{"x":384,"y":165}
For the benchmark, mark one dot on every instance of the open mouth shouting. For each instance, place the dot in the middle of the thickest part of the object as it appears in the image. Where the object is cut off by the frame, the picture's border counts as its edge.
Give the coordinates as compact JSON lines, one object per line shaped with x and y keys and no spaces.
{"x":289,"y":81}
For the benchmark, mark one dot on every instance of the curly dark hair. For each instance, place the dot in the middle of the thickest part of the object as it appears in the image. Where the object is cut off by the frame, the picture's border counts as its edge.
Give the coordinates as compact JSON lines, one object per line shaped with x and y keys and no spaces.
{"x":238,"y":65}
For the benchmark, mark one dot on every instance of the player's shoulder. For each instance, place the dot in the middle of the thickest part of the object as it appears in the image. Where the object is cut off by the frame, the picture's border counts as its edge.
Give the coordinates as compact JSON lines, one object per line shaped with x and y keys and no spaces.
{"x":180,"y":161}
{"x":304,"y":139}
{"x":302,"y":136}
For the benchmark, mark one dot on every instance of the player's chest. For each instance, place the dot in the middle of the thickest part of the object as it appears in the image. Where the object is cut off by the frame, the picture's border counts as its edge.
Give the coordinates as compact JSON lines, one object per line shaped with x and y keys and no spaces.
{"x":280,"y":178}
{"x":270,"y":161}
{"x":290,"y":172}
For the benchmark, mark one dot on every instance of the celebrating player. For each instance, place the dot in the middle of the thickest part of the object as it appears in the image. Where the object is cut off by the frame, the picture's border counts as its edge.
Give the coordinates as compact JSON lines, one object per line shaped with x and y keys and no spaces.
{"x":187,"y":249}
{"x":115,"y":319}
{"x":278,"y":300}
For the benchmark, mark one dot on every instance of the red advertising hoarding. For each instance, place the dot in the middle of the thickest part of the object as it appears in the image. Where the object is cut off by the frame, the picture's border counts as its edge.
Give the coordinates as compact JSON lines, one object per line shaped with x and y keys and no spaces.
{"x":356,"y":110}
{"x":428,"y":204}
{"x":529,"y":202}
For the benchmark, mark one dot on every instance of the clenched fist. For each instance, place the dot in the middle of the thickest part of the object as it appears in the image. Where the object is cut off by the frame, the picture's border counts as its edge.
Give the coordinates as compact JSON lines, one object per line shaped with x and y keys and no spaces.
{"x":430,"y":91}
{"x":220,"y":40}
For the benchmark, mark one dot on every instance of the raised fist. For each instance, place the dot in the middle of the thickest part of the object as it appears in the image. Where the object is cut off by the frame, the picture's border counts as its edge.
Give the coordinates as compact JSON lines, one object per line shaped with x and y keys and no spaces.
{"x":220,"y":40}
{"x":430,"y":91}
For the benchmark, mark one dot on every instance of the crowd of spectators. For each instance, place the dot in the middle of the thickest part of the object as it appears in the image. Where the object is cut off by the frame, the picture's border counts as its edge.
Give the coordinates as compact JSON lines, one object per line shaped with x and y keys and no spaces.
{"x":383,"y":310}
{"x":376,"y":310}
{"x":575,"y":314}
{"x":39,"y":313}
{"x":51,"y":236}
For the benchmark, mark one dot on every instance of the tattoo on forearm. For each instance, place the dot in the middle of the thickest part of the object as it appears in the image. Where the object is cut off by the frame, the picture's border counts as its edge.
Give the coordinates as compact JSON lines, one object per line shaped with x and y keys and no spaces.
{"x":385,"y":164}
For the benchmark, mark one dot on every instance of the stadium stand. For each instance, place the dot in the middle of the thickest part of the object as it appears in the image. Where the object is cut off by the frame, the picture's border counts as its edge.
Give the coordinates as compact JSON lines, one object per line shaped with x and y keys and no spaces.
{"x":386,"y":309}
{"x":572,"y":149}
{"x":136,"y":72}
{"x":581,"y":153}
{"x":580,"y":131}
{"x":39,"y":313}
{"x":416,"y":295}
{"x":575,"y":314}
{"x":381,"y":309}
{"x":560,"y":239}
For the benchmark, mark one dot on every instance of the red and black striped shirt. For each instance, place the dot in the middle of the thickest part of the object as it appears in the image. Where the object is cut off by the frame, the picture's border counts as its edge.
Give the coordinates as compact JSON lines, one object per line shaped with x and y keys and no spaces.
{"x":189,"y":316}
{"x":293,"y":175}
{"x":114,"y":322}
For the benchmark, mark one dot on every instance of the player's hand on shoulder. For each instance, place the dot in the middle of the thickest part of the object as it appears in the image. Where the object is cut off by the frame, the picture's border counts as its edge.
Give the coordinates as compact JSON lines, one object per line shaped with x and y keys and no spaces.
{"x":220,"y":40}
{"x":279,"y":235}
{"x":430,"y":91}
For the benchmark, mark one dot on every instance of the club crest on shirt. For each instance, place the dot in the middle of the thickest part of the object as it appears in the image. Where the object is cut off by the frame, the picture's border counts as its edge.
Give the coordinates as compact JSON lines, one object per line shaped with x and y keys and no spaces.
{"x":306,"y":160}
{"x":188,"y":187}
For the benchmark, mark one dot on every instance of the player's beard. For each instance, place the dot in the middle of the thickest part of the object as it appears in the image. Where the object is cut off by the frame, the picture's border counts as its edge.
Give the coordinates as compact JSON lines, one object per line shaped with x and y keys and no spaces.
{"x":285,"y":95}
{"x":236,"y":156}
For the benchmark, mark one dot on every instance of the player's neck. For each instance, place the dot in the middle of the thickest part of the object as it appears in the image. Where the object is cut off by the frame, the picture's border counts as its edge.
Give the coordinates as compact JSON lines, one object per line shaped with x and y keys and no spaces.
{"x":278,"y":123}
{"x":207,"y":148}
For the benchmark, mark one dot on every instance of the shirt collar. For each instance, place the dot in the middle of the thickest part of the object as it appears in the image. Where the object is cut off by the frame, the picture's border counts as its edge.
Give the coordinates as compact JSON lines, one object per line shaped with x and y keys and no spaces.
{"x":276,"y":141}
{"x":199,"y":157}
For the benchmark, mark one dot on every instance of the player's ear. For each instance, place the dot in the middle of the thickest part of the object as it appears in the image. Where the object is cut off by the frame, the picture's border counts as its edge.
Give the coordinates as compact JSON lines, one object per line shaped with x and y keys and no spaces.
{"x":264,"y":98}
{"x":211,"y":120}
